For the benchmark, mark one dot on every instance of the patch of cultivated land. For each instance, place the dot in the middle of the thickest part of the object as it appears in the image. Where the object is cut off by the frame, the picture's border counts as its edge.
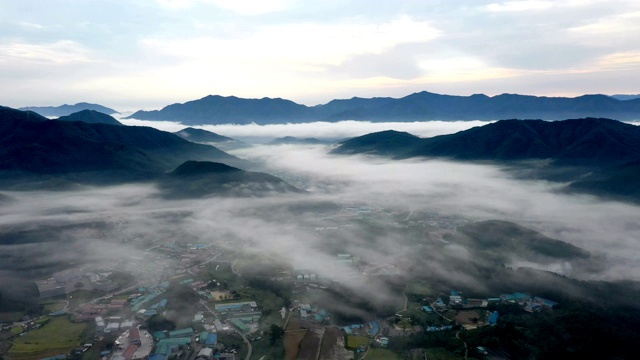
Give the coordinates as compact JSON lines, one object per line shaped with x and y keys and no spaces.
{"x":292,"y":342}
{"x":354,"y":341}
{"x":310,"y":345}
{"x":56,"y":337}
{"x":332,"y":346}
{"x":293,"y":337}
{"x":467,"y":317}
{"x":381,"y":354}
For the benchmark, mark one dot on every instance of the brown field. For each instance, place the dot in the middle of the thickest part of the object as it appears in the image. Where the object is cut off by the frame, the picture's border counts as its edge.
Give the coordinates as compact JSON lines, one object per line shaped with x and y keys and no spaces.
{"x":293,"y":337}
{"x":465,"y":317}
{"x":310,"y":345}
{"x":292,"y":342}
{"x":332,"y":346}
{"x":294,"y":323}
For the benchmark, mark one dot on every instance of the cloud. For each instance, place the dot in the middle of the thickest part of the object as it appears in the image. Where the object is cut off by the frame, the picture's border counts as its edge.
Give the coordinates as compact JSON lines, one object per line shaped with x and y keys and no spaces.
{"x":357,"y":204}
{"x":59,"y":52}
{"x":321,"y":130}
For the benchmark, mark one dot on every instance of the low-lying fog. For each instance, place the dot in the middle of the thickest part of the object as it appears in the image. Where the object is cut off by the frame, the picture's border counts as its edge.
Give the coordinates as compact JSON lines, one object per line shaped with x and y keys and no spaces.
{"x":286,"y":226}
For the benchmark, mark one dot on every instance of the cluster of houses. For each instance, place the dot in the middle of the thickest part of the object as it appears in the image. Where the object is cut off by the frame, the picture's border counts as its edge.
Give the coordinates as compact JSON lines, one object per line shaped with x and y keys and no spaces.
{"x":530,"y":303}
{"x":371,"y":328}
{"x":71,"y":280}
{"x":244,"y":315}
{"x":313,"y":314}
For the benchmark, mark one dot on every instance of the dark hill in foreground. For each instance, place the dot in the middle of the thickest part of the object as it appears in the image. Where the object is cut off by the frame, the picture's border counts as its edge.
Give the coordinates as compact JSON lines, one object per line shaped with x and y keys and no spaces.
{"x":583,"y":141}
{"x":195,"y":179}
{"x":388,"y":143}
{"x":591,"y":141}
{"x":421,"y":106}
{"x":90,"y":116}
{"x":211,"y":138}
{"x":79,"y":151}
{"x":603,"y":154}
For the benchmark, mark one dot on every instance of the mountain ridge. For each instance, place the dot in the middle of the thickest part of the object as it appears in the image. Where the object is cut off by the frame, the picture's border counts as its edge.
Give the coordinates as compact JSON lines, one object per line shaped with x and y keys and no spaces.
{"x":419,"y":106}
{"x":90,"y":116}
{"x":66,"y":109}
{"x":598,"y":156}
{"x":31,"y":145}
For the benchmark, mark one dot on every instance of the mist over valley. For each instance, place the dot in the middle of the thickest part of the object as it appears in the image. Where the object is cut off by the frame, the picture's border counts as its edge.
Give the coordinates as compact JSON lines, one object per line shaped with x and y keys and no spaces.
{"x":412,"y":228}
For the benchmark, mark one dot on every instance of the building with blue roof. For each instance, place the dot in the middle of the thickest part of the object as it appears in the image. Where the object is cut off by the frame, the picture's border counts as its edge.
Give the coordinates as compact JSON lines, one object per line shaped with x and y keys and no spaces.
{"x":427,"y":308}
{"x":347,"y":330}
{"x":545,"y":302}
{"x":507,"y":298}
{"x":203,"y":337}
{"x":521,"y":297}
{"x":375,"y":328}
{"x":181,"y":333}
{"x":493,"y":318}
{"x":212,"y":340}
{"x":175,"y":342}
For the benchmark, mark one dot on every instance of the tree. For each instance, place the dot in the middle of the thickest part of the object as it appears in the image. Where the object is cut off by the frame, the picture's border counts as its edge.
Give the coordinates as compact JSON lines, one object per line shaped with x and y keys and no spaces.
{"x":275,"y":333}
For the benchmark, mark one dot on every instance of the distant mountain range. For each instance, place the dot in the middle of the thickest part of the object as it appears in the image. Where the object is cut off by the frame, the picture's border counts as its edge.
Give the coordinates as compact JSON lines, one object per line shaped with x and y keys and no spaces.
{"x":296,"y":141}
{"x":90,"y":116}
{"x":34,"y":146}
{"x":603,"y":154}
{"x":420,"y":106}
{"x":196,"y":179}
{"x":65,"y":109}
{"x":211,"y":138}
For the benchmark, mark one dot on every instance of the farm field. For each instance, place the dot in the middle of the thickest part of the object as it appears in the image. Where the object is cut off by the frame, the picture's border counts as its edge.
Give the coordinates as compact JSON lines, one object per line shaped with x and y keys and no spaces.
{"x":381,"y":354}
{"x":354,"y":341}
{"x":56,"y":337}
{"x":332,"y":346}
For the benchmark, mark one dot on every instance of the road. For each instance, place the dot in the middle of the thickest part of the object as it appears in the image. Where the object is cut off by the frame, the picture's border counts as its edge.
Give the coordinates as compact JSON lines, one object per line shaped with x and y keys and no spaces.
{"x":244,"y":338}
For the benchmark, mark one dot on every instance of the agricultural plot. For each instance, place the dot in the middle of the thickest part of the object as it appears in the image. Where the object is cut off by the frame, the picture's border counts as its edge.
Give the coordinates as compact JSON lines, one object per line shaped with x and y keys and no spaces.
{"x":310,"y":345}
{"x":56,"y":337}
{"x":353,"y":342}
{"x":381,"y":354}
{"x":292,"y":342}
{"x":332,"y":346}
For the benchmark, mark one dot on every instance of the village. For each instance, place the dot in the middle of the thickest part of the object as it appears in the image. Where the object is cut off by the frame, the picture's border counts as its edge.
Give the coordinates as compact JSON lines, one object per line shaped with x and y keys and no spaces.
{"x":200,"y":301}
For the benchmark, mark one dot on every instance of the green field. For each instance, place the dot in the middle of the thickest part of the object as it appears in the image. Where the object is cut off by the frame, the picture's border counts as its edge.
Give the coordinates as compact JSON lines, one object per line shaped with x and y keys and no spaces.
{"x":58,"y":335}
{"x":354,"y":341}
{"x":381,"y":354}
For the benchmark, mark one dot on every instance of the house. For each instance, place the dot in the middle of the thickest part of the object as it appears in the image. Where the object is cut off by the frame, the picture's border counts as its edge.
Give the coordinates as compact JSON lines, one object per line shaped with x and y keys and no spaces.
{"x":493,"y":318}
{"x":212,"y":340}
{"x":533,"y":307}
{"x":548,"y":304}
{"x":134,"y":336}
{"x":455,"y":298}
{"x":521,"y":298}
{"x":130,"y":352}
{"x":427,"y":309}
{"x":205,"y":353}
{"x":507,"y":298}
{"x":181,"y":333}
{"x":50,"y":288}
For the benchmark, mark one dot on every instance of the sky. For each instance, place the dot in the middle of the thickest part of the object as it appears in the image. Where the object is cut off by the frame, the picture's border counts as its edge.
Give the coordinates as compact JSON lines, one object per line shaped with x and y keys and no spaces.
{"x":146,"y":54}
